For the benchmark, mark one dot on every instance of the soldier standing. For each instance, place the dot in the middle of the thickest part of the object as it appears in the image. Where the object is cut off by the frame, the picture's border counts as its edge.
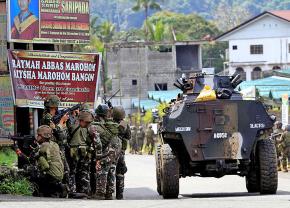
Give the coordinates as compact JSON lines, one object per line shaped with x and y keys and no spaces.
{"x":107,"y":149}
{"x":150,"y":139}
{"x":276,"y":135}
{"x":80,"y":154}
{"x":125,"y":135}
{"x":133,"y":142}
{"x":140,"y":139}
{"x":60,"y":131}
{"x":50,"y":164}
{"x":284,"y":144}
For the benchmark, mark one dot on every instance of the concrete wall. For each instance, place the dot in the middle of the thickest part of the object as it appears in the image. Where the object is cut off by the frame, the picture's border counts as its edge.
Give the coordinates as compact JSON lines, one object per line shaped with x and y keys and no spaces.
{"x":148,"y":67}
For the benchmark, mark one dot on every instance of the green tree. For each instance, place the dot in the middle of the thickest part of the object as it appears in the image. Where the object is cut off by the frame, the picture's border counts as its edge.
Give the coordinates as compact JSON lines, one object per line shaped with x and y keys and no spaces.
{"x":105,"y":31}
{"x":146,"y":5}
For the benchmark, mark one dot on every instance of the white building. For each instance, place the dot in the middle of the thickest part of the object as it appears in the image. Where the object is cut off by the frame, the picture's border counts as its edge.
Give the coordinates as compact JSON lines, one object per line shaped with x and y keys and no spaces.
{"x":260,"y":45}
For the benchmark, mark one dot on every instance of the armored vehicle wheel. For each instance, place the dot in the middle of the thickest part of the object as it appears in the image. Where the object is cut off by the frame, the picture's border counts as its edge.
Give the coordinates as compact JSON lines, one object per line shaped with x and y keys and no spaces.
{"x":252,"y":182}
{"x":267,"y":160}
{"x":158,"y":168}
{"x":169,"y":173}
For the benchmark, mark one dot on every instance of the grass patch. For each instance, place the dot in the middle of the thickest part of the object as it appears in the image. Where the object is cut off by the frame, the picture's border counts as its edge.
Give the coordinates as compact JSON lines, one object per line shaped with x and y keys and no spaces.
{"x":11,"y":182}
{"x":16,"y":186}
{"x":7,"y":157}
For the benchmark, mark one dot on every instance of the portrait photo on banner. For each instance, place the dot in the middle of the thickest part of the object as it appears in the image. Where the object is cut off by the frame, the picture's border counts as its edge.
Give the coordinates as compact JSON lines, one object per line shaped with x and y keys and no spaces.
{"x":24,"y":19}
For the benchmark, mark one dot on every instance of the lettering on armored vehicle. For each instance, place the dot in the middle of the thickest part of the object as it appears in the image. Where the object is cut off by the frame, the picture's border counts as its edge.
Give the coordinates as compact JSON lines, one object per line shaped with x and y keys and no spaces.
{"x":220,"y":135}
{"x":257,"y":126}
{"x":182,"y":129}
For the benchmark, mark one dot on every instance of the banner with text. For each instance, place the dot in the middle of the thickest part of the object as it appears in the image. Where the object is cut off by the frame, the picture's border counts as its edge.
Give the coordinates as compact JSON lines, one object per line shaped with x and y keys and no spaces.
{"x":49,"y":21}
{"x":36,"y":74}
{"x":6,"y":107}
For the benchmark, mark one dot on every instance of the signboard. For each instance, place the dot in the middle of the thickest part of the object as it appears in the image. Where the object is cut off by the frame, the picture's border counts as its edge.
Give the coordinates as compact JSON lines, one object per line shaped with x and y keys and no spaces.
{"x":3,"y":37}
{"x":49,"y":21}
{"x":37,"y":74}
{"x":6,"y":107}
{"x":285,"y":109}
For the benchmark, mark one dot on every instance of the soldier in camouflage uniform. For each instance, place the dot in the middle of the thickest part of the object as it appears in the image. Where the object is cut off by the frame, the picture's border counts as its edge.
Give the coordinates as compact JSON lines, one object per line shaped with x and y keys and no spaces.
{"x":60,"y":131}
{"x":125,"y":135}
{"x":80,"y":154}
{"x":50,"y":164}
{"x":276,"y":135}
{"x":284,"y":144}
{"x":140,"y":139}
{"x":107,"y":147}
{"x":133,"y":142}
{"x":150,"y":139}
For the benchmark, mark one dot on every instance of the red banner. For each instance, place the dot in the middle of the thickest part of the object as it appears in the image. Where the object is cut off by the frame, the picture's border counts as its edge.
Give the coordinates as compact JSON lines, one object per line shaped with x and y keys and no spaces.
{"x":49,"y":21}
{"x":37,"y":74}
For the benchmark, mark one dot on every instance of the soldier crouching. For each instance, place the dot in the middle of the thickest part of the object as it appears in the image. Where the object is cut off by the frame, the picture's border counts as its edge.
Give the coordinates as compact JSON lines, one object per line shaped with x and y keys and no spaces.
{"x":50,"y":165}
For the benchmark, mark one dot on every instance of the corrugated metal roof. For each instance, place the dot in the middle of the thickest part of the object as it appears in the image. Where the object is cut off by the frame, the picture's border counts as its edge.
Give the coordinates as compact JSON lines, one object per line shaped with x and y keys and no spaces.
{"x":285,"y":14}
{"x":272,"y":87}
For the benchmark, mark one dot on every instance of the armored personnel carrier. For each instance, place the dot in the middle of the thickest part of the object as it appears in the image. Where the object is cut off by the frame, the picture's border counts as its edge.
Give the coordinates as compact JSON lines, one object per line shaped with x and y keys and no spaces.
{"x":217,"y":137}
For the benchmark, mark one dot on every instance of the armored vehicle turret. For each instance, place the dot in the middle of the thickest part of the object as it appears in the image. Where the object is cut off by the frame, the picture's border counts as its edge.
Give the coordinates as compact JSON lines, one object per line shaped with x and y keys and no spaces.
{"x":210,"y":131}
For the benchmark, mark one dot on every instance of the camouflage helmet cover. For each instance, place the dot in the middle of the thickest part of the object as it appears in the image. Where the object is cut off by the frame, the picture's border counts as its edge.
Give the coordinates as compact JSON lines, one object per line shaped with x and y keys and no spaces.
{"x":85,"y":107}
{"x":51,"y":101}
{"x":86,"y":116}
{"x":118,"y":113}
{"x":44,"y":131}
{"x":102,"y":110}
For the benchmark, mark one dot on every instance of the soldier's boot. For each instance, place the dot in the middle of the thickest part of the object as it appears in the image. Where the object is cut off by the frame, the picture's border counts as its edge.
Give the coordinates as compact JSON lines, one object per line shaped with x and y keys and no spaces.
{"x":99,"y":196}
{"x":109,"y":196}
{"x":279,"y":168}
{"x":285,"y":169}
{"x":120,"y":186}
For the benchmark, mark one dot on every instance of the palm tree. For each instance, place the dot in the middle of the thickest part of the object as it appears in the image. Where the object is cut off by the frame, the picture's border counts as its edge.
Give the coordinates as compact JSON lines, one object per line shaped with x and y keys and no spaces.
{"x":146,"y":5}
{"x":106,"y":31}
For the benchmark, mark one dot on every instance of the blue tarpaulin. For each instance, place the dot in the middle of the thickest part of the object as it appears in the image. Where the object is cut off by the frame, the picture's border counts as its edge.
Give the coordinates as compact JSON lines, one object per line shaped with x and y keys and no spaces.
{"x":145,"y":104}
{"x":163,"y":96}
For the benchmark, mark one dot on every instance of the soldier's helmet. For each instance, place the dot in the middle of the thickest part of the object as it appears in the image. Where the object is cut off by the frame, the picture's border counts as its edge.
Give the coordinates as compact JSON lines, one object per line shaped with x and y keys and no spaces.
{"x":118,"y":113}
{"x":85,"y":107}
{"x":51,"y":101}
{"x":278,"y":124}
{"x":102,"y":110}
{"x":86,"y":116}
{"x":286,"y":128}
{"x":44,"y":131}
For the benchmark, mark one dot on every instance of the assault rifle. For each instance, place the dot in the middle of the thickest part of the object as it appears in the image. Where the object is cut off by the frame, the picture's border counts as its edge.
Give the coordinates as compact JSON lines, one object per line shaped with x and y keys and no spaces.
{"x":108,"y":101}
{"x":56,"y":119}
{"x":25,"y":148}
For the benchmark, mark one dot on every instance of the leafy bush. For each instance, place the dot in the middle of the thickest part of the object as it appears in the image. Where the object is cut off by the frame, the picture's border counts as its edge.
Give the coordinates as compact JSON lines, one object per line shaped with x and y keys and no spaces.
{"x":7,"y":157}
{"x":16,"y":186}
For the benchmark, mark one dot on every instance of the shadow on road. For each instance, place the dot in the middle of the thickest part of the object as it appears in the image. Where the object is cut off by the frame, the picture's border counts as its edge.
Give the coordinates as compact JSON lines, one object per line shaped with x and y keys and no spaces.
{"x":223,"y":195}
{"x":141,"y":193}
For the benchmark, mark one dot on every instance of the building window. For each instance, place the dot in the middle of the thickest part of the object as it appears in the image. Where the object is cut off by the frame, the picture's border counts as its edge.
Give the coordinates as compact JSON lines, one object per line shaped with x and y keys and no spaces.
{"x":134,"y":82}
{"x":160,"y":86}
{"x":257,"y":49}
{"x":235,"y":47}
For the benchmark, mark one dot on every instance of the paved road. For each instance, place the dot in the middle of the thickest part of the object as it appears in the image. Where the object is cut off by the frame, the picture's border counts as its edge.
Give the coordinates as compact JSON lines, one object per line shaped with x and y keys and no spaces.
{"x":140,"y":192}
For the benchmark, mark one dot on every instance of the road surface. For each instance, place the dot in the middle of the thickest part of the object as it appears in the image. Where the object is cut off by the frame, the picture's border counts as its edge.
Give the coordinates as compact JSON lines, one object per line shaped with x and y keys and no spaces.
{"x":229,"y":191}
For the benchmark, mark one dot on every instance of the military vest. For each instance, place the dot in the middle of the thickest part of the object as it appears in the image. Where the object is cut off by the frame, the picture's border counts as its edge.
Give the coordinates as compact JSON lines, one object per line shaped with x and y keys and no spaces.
{"x":108,"y":132}
{"x":50,"y":160}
